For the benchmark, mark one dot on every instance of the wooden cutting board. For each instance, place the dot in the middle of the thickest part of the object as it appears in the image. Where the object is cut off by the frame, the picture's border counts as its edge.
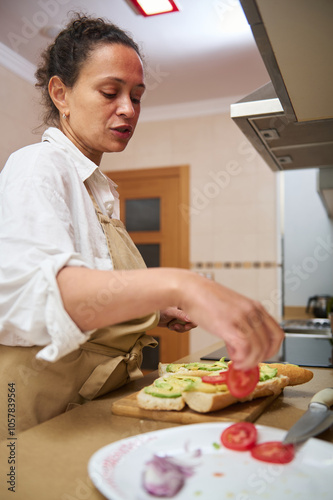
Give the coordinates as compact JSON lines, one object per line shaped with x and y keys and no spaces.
{"x":248,"y":411}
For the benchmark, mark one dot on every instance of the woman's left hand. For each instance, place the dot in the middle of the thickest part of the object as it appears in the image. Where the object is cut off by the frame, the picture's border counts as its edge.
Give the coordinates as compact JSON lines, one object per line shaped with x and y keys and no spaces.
{"x":175,"y":319}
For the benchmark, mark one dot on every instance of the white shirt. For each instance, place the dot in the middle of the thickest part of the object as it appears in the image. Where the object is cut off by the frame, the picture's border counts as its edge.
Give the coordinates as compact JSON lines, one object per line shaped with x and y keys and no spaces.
{"x":47,"y":221}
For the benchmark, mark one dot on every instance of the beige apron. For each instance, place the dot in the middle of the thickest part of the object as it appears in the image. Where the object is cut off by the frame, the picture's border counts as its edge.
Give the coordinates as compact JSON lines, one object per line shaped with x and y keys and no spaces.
{"x":109,"y":359}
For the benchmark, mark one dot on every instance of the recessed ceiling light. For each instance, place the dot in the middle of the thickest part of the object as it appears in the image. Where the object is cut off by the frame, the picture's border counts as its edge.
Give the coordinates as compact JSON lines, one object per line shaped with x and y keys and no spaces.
{"x":154,"y":7}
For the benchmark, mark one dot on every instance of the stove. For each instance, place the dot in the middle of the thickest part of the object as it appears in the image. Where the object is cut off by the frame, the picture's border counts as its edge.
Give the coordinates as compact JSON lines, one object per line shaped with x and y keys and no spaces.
{"x":307,"y":342}
{"x":313,"y":326}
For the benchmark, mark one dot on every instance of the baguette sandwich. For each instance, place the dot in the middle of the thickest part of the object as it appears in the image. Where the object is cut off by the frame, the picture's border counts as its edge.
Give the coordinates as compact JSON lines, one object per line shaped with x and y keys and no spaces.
{"x":176,"y":388}
{"x":192,"y":369}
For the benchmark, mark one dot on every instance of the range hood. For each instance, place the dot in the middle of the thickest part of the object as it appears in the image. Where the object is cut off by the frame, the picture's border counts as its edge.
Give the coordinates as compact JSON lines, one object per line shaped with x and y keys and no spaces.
{"x":282,"y":142}
{"x":290,"y":120}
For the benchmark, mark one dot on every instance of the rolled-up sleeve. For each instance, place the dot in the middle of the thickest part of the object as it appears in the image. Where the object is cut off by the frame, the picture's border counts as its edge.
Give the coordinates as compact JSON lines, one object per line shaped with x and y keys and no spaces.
{"x":65,"y":335}
{"x":37,"y":239}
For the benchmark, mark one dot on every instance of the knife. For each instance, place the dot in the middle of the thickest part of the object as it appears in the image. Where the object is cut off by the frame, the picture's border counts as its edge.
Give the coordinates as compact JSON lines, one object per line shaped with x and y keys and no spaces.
{"x":315,"y":420}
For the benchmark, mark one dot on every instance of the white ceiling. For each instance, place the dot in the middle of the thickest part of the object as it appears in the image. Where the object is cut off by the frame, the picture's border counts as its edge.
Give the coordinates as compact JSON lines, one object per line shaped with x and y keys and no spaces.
{"x":204,"y":53}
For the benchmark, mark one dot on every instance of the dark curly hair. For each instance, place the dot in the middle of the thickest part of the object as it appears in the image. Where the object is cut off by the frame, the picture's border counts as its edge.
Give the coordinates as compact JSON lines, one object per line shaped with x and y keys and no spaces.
{"x":71,"y":48}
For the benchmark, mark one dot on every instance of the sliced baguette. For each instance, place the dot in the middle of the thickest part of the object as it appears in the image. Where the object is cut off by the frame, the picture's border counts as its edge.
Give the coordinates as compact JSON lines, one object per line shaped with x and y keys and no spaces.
{"x":296,"y":374}
{"x":205,"y":402}
{"x":182,"y":370}
{"x":149,"y":402}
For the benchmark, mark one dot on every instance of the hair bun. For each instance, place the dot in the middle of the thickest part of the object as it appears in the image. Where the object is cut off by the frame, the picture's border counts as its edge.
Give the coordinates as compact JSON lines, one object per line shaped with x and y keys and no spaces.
{"x":65,"y":57}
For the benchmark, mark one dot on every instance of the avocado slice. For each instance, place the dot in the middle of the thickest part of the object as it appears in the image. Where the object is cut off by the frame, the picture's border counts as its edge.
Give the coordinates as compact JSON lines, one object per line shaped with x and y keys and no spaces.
{"x":172,"y":386}
{"x":267,"y":372}
{"x":217,"y":366}
{"x":162,"y":393}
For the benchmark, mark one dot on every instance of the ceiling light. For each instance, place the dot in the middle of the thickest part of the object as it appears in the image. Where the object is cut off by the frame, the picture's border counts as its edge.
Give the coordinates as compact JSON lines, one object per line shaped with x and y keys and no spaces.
{"x":154,"y":7}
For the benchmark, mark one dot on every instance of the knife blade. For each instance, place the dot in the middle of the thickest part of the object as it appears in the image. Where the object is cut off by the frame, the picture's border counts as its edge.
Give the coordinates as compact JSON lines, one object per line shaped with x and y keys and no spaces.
{"x":315,"y":420}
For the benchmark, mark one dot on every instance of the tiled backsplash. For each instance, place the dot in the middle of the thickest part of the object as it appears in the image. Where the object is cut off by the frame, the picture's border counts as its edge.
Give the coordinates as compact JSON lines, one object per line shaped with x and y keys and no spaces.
{"x":233,"y":265}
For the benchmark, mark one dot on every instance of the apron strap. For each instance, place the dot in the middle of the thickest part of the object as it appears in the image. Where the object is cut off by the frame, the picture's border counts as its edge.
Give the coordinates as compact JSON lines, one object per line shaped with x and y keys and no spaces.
{"x":123,"y":252}
{"x":119,"y":346}
{"x":93,"y":386}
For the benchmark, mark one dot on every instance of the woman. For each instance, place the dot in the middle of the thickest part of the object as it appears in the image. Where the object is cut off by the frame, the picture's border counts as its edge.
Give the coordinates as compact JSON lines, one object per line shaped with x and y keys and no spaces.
{"x":75,"y":296}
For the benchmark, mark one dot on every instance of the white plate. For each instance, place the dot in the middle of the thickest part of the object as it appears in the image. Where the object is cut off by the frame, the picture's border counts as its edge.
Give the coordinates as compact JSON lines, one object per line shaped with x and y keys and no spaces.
{"x":116,"y":469}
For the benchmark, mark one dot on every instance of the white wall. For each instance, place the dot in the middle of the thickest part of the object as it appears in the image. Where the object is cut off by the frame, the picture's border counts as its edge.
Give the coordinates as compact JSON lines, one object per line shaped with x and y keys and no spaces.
{"x":308,"y":240}
{"x":20,"y":114}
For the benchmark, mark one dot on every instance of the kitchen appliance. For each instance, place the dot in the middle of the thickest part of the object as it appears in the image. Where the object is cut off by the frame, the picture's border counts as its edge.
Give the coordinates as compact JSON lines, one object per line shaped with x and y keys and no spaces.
{"x":320,"y":305}
{"x":308,"y":342}
{"x":315,"y":420}
{"x":320,"y":326}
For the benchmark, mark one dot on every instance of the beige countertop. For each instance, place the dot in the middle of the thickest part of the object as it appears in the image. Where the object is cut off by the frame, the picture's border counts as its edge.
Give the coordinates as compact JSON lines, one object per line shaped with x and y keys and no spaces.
{"x":52,"y":457}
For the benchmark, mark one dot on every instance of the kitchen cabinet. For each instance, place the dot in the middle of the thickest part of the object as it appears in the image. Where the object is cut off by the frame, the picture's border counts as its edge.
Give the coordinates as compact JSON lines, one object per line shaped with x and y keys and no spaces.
{"x":290,"y":120}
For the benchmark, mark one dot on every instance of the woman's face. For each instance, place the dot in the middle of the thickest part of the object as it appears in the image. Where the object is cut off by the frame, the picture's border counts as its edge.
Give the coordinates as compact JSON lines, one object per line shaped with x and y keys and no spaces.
{"x":103,"y":106}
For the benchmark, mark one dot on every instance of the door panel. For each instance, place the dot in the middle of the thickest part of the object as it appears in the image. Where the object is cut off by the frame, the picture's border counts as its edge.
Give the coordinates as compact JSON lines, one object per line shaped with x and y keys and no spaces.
{"x":150,"y":201}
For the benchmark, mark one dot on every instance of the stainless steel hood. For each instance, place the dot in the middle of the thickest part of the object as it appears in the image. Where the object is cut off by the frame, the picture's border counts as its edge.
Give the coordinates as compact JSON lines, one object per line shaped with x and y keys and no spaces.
{"x":290,"y":120}
{"x":283,"y":143}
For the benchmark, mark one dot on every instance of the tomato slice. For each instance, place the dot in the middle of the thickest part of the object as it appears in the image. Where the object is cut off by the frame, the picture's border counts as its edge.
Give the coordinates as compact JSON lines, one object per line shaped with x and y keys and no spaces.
{"x":215,"y":379}
{"x":274,"y":452}
{"x":241,"y":436}
{"x":240,"y":382}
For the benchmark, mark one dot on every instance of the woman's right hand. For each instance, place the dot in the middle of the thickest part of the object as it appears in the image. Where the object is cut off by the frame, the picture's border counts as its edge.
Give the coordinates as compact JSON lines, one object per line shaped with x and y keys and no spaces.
{"x":249,"y":332}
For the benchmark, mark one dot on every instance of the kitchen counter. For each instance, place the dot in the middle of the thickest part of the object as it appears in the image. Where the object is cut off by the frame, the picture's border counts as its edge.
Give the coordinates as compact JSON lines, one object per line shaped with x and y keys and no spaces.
{"x":51,"y":458}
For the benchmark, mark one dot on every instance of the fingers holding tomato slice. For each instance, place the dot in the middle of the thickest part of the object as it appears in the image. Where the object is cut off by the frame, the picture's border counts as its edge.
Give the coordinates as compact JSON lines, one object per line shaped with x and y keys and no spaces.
{"x":241,"y":436}
{"x":274,"y":452}
{"x":242,"y":382}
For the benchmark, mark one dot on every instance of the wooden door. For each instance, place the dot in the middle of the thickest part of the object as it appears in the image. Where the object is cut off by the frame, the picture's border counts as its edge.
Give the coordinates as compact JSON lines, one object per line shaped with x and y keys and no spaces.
{"x":151,"y":202}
